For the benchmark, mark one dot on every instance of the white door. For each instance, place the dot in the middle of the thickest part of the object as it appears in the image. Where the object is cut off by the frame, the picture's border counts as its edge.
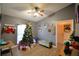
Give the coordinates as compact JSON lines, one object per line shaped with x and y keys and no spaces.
{"x":20,"y":32}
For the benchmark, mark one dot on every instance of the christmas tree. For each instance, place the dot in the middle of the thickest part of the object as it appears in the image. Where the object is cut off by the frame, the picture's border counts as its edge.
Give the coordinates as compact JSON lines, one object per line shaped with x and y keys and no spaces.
{"x":27,"y":37}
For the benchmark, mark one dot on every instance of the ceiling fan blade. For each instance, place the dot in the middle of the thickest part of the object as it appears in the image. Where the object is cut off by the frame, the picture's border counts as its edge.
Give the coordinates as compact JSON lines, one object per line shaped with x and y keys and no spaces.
{"x":42,"y":6}
{"x":39,"y":5}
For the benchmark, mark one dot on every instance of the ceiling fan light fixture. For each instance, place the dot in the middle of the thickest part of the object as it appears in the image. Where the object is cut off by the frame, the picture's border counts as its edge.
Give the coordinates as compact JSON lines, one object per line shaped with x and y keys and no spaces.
{"x":36,"y":12}
{"x":42,"y":11}
{"x":41,"y":14}
{"x":37,"y":9}
{"x":29,"y":11}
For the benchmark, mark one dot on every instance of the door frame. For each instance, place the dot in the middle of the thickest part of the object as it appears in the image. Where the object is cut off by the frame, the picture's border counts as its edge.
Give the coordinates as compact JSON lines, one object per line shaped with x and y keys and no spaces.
{"x":56,"y":30}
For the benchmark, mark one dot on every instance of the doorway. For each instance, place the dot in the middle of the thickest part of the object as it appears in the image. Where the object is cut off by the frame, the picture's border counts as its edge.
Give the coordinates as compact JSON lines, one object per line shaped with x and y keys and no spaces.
{"x":63,"y":30}
{"x":20,"y":32}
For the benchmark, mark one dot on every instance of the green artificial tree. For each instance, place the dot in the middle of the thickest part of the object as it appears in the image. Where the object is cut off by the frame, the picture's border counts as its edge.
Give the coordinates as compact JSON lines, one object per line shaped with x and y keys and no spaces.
{"x":72,"y":36}
{"x":27,"y":36}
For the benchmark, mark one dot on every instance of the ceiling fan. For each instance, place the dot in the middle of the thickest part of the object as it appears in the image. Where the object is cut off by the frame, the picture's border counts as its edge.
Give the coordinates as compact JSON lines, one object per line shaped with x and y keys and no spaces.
{"x":36,"y":10}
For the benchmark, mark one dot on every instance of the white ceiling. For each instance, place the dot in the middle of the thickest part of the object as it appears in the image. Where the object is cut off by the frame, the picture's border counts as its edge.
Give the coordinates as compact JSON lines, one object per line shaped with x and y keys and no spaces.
{"x":19,"y":9}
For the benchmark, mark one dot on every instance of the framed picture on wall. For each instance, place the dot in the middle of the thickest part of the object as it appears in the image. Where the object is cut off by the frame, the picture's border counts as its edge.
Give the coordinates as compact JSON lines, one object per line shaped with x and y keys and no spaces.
{"x":52,"y":29}
{"x":49,"y":27}
{"x":8,"y":28}
{"x":67,"y":28}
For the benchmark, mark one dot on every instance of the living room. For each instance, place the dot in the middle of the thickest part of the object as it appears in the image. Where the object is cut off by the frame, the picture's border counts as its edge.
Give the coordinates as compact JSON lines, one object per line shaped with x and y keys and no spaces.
{"x":37,"y":29}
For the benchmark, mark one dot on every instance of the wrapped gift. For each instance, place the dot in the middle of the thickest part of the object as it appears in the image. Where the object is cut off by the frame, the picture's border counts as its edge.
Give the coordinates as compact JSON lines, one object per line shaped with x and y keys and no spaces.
{"x":75,"y":45}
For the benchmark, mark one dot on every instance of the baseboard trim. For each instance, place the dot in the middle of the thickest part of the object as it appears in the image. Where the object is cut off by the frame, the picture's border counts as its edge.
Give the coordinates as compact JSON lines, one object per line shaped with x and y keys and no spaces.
{"x":54,"y":46}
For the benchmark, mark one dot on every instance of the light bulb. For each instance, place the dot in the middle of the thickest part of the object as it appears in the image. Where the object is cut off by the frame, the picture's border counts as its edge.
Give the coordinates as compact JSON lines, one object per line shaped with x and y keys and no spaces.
{"x":36,"y":14}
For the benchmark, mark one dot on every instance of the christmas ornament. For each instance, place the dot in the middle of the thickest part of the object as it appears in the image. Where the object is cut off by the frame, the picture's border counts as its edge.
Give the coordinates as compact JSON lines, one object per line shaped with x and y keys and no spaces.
{"x":67,"y":43}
